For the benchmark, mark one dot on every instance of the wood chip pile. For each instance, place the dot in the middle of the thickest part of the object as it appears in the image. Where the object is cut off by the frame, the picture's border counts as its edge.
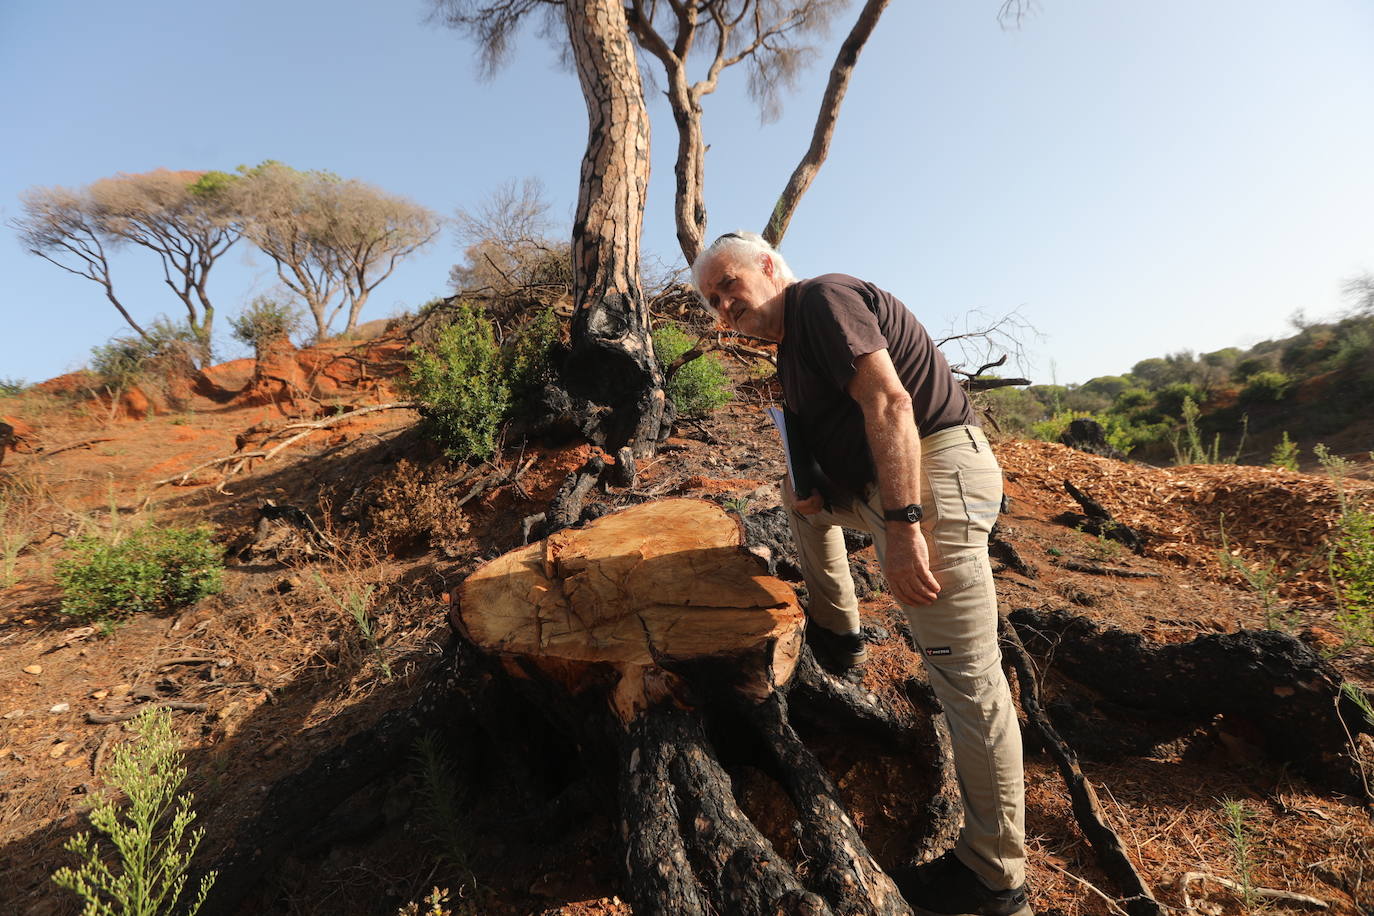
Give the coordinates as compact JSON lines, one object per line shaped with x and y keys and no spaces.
{"x":1270,"y":513}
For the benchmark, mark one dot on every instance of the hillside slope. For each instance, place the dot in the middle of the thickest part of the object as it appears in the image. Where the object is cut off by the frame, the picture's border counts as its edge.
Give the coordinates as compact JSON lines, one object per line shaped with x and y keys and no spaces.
{"x":284,"y":672}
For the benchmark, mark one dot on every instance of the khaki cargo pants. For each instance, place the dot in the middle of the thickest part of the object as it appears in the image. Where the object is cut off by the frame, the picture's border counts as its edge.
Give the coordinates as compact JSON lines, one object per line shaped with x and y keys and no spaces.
{"x":961,"y":492}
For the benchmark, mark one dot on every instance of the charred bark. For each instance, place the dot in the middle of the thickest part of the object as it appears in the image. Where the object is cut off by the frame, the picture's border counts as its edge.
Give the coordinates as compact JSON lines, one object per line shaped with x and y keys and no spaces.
{"x":1262,"y":682}
{"x":1098,"y":521}
{"x":612,"y":360}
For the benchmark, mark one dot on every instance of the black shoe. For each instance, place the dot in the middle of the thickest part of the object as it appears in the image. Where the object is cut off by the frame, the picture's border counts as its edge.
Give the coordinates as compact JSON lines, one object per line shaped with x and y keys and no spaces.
{"x":948,"y":887}
{"x":840,"y":652}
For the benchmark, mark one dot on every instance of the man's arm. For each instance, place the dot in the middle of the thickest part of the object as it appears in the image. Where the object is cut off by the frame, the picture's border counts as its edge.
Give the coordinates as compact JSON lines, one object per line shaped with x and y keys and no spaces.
{"x":892,"y":438}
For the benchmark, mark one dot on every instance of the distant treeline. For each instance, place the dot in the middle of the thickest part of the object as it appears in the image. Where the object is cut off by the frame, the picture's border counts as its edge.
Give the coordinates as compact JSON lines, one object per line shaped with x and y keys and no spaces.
{"x":1313,"y":384}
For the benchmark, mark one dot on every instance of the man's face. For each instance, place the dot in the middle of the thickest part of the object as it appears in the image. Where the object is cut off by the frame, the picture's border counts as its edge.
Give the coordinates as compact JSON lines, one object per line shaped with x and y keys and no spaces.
{"x":741,"y":292}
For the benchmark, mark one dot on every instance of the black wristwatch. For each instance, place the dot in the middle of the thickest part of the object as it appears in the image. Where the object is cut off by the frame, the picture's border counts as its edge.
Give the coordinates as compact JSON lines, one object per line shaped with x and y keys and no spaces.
{"x":912,"y":513}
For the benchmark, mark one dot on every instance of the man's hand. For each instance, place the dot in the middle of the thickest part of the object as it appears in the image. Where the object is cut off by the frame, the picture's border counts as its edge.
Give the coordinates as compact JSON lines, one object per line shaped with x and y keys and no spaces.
{"x":809,"y":506}
{"x":908,"y":565}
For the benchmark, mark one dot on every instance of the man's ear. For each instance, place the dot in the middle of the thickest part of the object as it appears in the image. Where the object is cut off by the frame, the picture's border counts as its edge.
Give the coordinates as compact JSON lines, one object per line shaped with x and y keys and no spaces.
{"x":766,"y":265}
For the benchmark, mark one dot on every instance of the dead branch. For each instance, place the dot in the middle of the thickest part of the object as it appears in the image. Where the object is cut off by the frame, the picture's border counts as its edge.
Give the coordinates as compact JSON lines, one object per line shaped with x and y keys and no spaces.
{"x":1111,"y":904}
{"x":705,"y":345}
{"x":1094,"y":569}
{"x":1265,"y":892}
{"x":1111,"y":854}
{"x":84,"y":443}
{"x":98,"y":718}
{"x":267,"y":454}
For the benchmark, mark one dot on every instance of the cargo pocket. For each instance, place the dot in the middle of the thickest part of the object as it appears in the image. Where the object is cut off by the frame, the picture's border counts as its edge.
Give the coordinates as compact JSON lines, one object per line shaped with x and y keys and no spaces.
{"x":980,"y":490}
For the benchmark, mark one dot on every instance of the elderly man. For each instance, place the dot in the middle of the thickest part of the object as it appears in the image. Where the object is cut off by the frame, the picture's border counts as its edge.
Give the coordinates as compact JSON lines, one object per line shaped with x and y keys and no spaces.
{"x":893,"y":432}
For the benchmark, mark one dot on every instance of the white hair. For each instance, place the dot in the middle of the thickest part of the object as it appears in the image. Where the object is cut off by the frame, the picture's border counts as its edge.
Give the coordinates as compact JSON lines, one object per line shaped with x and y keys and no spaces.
{"x":743,"y":247}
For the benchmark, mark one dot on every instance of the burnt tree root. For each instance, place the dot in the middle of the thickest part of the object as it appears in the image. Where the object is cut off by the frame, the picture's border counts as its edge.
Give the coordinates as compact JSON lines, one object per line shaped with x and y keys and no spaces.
{"x":1262,"y":681}
{"x":689,"y":847}
{"x":1087,"y":810}
{"x":1098,"y":521}
{"x":846,"y":871}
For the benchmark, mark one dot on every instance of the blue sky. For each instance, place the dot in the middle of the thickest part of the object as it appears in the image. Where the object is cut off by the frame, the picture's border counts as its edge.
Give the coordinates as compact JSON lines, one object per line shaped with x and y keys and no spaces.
{"x":1134,"y":178}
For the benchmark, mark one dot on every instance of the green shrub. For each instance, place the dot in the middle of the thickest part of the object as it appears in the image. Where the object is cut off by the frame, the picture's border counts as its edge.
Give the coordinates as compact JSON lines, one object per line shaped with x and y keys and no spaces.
{"x":1266,"y":387}
{"x":1352,"y":568}
{"x":264,"y":321}
{"x":152,"y":849}
{"x":12,"y":386}
{"x":526,"y":359}
{"x":123,"y":361}
{"x":150,"y":569}
{"x":1122,"y":434}
{"x":700,"y":386}
{"x":459,"y":383}
{"x":1285,"y":453}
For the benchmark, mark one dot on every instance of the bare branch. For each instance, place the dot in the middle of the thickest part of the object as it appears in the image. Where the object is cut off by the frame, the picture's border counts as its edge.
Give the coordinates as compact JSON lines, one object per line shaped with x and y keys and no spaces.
{"x":826,"y":118}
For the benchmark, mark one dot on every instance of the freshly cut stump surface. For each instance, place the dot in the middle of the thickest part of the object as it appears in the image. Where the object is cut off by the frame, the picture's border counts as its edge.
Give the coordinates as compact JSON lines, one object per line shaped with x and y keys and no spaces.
{"x":641,"y":591}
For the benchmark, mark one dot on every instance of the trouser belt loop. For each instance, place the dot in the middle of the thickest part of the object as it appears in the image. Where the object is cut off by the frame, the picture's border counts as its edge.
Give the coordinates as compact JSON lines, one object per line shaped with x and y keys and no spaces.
{"x":974,"y":442}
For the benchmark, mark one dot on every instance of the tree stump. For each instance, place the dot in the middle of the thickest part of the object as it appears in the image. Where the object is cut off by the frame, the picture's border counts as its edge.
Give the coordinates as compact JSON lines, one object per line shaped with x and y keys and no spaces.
{"x":660,"y":617}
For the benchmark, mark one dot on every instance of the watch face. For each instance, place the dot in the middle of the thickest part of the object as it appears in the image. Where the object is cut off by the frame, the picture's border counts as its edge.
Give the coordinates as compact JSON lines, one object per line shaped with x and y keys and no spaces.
{"x":913,"y":513}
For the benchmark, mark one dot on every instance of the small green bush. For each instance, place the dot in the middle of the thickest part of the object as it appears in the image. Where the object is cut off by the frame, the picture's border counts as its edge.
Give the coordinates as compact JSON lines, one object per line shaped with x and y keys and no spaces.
{"x":264,"y":321}
{"x":1122,"y":434}
{"x":12,"y":386}
{"x":1352,"y":567}
{"x":700,"y":386}
{"x":153,"y":850}
{"x":459,"y":383}
{"x":1266,"y":387}
{"x":1285,"y":454}
{"x":150,"y":569}
{"x":526,"y":359}
{"x":123,"y":361}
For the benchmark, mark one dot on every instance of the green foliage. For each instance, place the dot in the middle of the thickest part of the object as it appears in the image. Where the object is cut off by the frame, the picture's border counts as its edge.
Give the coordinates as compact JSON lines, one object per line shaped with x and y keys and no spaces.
{"x":264,"y":321}
{"x":1266,"y":387}
{"x":1357,"y":696}
{"x":526,"y":359}
{"x":1263,"y":578}
{"x":445,"y":806}
{"x":1189,"y":447}
{"x":123,"y":361}
{"x":153,"y":568}
{"x":1351,"y":558}
{"x":1352,"y":569}
{"x":213,"y":183}
{"x":13,"y":538}
{"x":12,"y":386}
{"x":700,"y":386}
{"x":152,"y":848}
{"x":1122,"y":434}
{"x":460,"y":385}
{"x":1236,"y":817}
{"x":357,"y":604}
{"x":1285,"y":453}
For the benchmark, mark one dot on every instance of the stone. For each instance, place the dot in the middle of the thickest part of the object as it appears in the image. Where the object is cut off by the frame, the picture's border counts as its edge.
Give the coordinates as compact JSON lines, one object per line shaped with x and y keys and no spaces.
{"x":61,"y":707}
{"x":33,"y":669}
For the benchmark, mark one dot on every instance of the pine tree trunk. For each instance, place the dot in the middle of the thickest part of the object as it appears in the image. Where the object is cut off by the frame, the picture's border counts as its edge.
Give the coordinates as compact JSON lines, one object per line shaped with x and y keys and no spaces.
{"x":612,"y":361}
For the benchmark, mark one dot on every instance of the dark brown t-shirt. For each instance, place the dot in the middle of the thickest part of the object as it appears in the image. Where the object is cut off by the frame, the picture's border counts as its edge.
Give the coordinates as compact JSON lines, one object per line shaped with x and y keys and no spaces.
{"x":828,"y":322}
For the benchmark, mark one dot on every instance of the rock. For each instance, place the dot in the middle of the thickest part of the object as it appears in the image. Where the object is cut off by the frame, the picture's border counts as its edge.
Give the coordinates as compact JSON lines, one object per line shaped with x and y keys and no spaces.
{"x":14,"y":714}
{"x":61,"y":707}
{"x":1089,"y":436}
{"x":59,"y":749}
{"x":34,"y":669}
{"x":99,"y":694}
{"x":121,"y":690}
